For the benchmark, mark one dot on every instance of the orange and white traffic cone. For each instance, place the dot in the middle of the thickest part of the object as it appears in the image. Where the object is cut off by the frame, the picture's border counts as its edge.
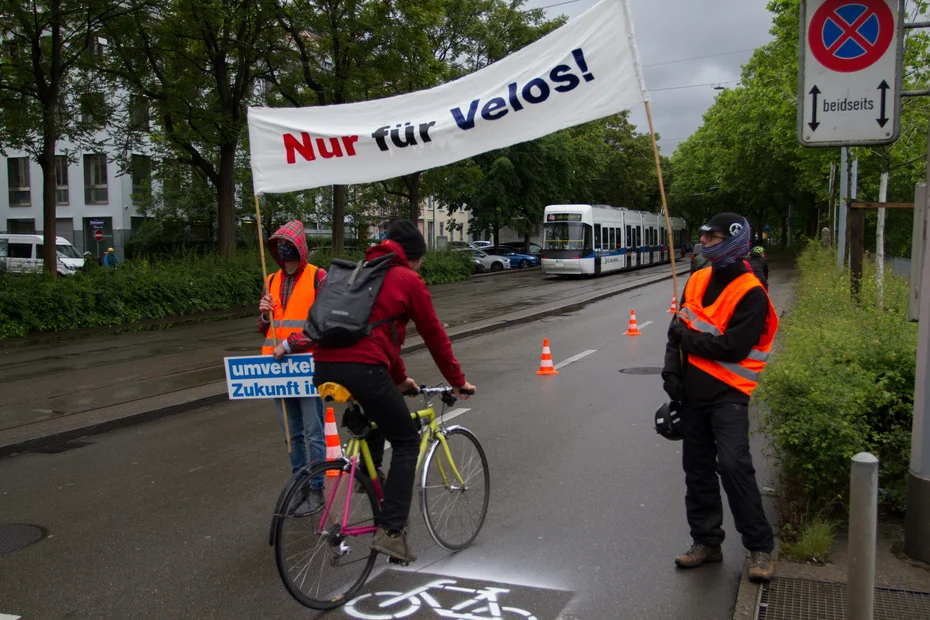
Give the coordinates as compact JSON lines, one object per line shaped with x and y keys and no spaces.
{"x":333,"y":447}
{"x":674,"y":307}
{"x":545,"y":364}
{"x":633,"y":330}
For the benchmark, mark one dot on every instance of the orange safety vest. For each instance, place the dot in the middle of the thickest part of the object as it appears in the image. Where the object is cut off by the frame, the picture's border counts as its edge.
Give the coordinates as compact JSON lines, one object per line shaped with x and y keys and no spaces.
{"x":713,"y":319}
{"x":291,"y":319}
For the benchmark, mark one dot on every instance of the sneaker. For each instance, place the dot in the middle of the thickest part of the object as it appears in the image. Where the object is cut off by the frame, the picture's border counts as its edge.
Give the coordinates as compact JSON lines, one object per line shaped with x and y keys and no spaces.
{"x":312,"y":504}
{"x":697,"y":555}
{"x":761,"y":567}
{"x":394,"y":546}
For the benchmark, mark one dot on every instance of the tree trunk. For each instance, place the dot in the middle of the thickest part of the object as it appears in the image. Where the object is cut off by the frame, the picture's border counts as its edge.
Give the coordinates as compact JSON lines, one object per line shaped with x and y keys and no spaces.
{"x":339,"y":218}
{"x":497,"y":236}
{"x":526,"y":242}
{"x":226,"y":201}
{"x":49,"y":228}
{"x":413,"y":186}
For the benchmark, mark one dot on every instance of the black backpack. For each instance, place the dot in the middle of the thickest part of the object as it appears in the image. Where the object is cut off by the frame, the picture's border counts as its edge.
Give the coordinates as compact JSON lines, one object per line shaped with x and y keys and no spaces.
{"x":339,"y":316}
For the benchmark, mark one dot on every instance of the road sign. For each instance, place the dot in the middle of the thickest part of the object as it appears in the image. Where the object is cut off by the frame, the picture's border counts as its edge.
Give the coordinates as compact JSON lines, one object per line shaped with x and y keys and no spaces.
{"x":96,"y":224}
{"x":98,"y":235}
{"x":850,"y":72}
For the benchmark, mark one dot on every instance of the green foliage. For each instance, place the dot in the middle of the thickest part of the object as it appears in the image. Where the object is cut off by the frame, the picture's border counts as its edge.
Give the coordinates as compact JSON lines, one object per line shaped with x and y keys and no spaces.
{"x":446,"y":266}
{"x":139,"y":289}
{"x":840,"y":382}
{"x":811,"y":544}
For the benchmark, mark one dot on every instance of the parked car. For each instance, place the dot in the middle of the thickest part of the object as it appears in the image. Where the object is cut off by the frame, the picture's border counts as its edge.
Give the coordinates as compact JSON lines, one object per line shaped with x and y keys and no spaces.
{"x":460,"y":245}
{"x":518,"y":246}
{"x":517,"y":259}
{"x":23,"y":254}
{"x":697,"y":259}
{"x":488,"y":262}
{"x":480,"y":244}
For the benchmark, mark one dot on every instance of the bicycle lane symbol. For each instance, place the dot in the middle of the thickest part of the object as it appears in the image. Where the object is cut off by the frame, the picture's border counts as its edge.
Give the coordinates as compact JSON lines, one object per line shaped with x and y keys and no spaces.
{"x":485,"y":605}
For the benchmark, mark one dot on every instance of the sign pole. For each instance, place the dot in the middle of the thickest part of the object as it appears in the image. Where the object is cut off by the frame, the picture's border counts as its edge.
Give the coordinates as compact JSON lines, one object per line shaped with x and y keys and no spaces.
{"x":844,"y":201}
{"x":274,"y":339}
{"x":668,"y":221}
{"x":917,"y":521}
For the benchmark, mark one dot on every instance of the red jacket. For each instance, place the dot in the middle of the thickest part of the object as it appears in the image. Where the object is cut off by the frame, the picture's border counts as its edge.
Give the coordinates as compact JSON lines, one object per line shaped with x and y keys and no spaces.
{"x":403,"y":294}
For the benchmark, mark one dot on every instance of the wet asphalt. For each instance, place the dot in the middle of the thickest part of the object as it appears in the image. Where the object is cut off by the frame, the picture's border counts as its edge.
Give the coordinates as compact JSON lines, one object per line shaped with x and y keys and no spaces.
{"x":170,"y":519}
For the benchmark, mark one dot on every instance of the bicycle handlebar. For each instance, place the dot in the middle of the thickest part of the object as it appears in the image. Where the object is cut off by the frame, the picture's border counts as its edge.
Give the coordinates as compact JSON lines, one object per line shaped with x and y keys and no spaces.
{"x":427,"y":391}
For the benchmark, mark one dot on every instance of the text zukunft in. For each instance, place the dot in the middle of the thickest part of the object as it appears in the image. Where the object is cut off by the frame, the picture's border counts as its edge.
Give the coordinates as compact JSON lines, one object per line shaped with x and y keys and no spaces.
{"x":258,"y":389}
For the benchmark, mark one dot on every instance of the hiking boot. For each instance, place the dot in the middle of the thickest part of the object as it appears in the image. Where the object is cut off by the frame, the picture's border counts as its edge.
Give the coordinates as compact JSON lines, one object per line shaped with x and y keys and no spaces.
{"x":394,"y":546}
{"x":312,"y":504}
{"x":697,"y":555}
{"x":761,"y":567}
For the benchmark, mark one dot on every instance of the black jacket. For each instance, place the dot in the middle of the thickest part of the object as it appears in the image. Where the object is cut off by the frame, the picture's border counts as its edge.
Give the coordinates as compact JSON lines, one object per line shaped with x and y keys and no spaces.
{"x":760,"y":267}
{"x":742,"y":334}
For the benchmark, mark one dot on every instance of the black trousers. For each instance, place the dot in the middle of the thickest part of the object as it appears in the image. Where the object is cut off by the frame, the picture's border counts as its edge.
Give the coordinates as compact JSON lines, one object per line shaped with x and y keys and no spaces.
{"x":372,"y":387}
{"x":716,"y":444}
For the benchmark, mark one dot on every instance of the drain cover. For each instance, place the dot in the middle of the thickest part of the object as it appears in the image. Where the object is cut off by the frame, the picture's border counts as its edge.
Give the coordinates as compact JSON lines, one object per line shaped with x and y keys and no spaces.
{"x":802,"y":599}
{"x":642,"y":370}
{"x":15,"y":536}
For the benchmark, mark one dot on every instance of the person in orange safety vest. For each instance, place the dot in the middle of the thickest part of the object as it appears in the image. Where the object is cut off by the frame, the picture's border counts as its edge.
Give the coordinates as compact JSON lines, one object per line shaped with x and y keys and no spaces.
{"x":291,"y":292}
{"x":714,"y":356}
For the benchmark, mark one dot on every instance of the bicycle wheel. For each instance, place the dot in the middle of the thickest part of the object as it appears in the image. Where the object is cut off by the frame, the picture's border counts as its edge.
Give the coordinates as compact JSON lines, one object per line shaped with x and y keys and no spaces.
{"x":454,"y":512}
{"x":320,"y":565}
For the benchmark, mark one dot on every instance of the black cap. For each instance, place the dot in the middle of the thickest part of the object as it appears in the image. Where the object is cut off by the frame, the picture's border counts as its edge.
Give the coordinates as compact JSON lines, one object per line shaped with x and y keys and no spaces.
{"x":406,"y":233}
{"x":726,"y":223}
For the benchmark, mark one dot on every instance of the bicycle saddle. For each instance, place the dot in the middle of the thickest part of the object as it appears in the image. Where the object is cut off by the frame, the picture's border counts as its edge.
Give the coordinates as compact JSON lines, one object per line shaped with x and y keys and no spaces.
{"x":334,"y":392}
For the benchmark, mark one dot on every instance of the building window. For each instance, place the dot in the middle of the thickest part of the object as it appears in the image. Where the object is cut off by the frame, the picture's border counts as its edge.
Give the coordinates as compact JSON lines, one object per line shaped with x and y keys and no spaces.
{"x":138,"y":113}
{"x":18,"y":171}
{"x":141,"y":177}
{"x":21,"y":227}
{"x":93,"y":110}
{"x":61,"y":180}
{"x":95,"y":180}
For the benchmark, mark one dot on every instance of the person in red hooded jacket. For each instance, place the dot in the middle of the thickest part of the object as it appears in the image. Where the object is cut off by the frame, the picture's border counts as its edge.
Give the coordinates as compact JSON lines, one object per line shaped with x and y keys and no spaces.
{"x":373,"y":371}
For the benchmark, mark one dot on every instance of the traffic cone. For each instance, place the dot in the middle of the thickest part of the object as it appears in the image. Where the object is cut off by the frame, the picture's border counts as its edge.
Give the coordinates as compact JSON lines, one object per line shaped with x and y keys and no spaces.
{"x":333,"y":447}
{"x":674,"y":307}
{"x":545,"y":364}
{"x":634,"y":330}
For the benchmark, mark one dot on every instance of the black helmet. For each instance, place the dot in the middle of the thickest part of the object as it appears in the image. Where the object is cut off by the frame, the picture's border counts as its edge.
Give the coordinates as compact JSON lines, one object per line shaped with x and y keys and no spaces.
{"x":668,"y":420}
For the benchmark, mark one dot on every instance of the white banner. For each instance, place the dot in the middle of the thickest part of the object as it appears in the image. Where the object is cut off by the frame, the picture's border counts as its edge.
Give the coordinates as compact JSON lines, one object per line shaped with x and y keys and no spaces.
{"x":587,"y":69}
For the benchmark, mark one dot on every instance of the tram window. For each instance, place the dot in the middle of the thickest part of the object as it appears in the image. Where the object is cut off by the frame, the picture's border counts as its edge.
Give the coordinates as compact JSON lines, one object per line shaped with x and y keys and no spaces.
{"x":629,"y":238}
{"x":597,"y":236}
{"x":612,"y":238}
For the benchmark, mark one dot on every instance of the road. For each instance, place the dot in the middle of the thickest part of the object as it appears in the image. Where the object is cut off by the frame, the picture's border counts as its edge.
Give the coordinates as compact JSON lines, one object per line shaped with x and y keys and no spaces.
{"x":170,"y":519}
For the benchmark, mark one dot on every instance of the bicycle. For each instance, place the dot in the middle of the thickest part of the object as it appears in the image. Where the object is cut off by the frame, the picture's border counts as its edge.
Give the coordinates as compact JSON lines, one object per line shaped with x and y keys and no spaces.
{"x":334,"y":544}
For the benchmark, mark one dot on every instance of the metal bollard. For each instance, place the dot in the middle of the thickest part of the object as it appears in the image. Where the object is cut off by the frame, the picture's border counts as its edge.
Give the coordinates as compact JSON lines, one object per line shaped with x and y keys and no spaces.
{"x":863,"y":531}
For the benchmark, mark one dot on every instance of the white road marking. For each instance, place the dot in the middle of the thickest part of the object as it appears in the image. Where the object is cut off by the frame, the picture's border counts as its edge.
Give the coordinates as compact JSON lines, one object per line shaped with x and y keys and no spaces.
{"x":642,"y":325}
{"x":9,"y":617}
{"x":575,"y":358}
{"x":452,"y":414}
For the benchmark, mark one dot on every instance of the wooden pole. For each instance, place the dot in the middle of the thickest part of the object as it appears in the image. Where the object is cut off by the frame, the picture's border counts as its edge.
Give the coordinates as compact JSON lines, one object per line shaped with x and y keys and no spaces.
{"x":274,"y":338}
{"x":668,"y":221}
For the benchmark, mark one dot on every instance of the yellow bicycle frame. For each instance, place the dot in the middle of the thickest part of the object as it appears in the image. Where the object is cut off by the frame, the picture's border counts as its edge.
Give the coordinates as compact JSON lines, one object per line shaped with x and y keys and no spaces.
{"x":358,"y":446}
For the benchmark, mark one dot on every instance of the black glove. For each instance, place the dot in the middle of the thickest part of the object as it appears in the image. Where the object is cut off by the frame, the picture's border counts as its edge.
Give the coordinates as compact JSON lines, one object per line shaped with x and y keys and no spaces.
{"x":673,"y":386}
{"x":677,"y":332}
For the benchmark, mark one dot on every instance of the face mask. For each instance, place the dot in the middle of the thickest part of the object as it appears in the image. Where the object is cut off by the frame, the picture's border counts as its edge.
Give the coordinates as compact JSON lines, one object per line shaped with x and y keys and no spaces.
{"x":729,"y":250}
{"x":287,"y":252}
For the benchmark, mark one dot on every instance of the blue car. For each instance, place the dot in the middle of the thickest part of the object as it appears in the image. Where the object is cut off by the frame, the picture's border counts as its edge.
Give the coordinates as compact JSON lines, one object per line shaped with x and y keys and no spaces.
{"x":518,"y":260}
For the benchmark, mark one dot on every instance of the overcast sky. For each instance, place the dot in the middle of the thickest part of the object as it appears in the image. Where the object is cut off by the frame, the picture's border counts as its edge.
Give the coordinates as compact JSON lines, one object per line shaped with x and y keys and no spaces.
{"x":672,"y":30}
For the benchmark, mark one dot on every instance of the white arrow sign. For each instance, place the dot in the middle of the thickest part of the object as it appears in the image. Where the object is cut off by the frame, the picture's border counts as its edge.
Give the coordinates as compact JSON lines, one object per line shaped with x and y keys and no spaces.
{"x":850,"y":72}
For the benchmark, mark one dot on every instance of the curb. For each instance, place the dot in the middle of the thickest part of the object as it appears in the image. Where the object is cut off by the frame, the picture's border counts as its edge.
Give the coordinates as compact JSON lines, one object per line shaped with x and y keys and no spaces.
{"x":59,"y":437}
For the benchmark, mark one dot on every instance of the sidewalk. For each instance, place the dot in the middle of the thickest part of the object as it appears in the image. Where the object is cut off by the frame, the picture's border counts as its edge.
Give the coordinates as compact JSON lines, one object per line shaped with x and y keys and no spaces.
{"x":72,"y":385}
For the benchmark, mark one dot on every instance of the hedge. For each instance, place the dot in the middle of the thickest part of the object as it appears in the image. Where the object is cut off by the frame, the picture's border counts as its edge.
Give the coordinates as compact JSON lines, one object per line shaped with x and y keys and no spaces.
{"x":841,"y":381}
{"x":148,"y":289}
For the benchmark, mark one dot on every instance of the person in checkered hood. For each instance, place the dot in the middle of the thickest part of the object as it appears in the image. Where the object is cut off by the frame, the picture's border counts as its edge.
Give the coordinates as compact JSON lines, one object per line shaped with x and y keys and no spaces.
{"x":289,"y":294}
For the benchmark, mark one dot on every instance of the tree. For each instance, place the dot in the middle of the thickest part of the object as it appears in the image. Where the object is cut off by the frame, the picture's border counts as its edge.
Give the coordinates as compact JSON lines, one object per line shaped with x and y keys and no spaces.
{"x":196,"y":61}
{"x":50,"y":48}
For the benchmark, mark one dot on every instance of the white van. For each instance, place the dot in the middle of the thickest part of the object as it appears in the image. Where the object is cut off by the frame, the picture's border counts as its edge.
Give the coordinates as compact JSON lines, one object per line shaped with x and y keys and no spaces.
{"x":23,"y":254}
